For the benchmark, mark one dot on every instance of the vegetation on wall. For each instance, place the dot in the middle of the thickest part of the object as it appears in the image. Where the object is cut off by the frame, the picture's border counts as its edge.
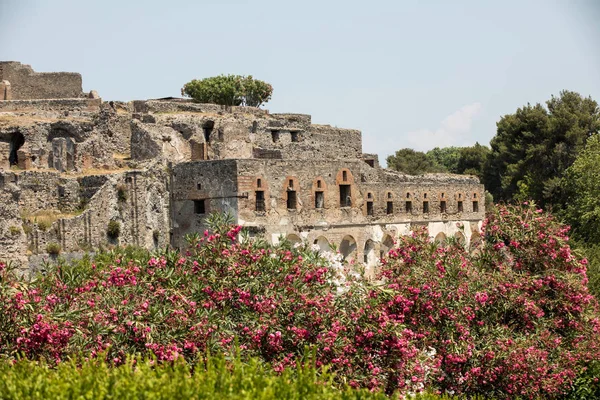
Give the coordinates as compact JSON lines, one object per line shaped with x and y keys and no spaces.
{"x":229,"y":90}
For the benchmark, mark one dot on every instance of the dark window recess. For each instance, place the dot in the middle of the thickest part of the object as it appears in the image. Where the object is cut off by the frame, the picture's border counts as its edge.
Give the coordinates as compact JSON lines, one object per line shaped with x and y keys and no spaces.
{"x":408,"y":206}
{"x":319,"y":200}
{"x":275,"y":136}
{"x":199,"y":186}
{"x":345,"y":199}
{"x":475,"y":206}
{"x":294,"y":136}
{"x":369,"y":195}
{"x":370,"y":208}
{"x":344,"y":176}
{"x":207,"y":127}
{"x":260,"y":201}
{"x":442,"y":206}
{"x":425,"y":207}
{"x":389,"y":195}
{"x":199,"y":207}
{"x":460,"y":206}
{"x":408,"y":195}
{"x":258,"y":183}
{"x":291,"y":199}
{"x":254,"y":126}
{"x":365,"y":258}
{"x":319,"y":184}
{"x":291,"y":184}
{"x":390,"y":207}
{"x":370,"y":163}
{"x":425,"y":195}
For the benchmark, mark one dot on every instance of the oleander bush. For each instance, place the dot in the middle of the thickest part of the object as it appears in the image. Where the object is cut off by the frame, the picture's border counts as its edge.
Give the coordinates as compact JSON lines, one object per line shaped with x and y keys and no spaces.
{"x":513,"y":318}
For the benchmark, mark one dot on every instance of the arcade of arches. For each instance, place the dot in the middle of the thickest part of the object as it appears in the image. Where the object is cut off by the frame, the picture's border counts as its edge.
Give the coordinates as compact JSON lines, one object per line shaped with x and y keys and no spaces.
{"x":367,"y":245}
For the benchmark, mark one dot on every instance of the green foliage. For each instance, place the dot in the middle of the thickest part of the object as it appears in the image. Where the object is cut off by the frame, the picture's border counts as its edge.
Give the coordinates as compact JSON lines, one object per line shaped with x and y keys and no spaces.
{"x":446,"y":158}
{"x":229,"y":90}
{"x":581,"y":184}
{"x":53,"y":248}
{"x":43,"y":224}
{"x":587,"y":384}
{"x":122,"y":192}
{"x":14,"y":230}
{"x":455,"y":160}
{"x":534,"y":146}
{"x":471,"y":160}
{"x":412,"y":162}
{"x":114,"y":229}
{"x":213,"y":378}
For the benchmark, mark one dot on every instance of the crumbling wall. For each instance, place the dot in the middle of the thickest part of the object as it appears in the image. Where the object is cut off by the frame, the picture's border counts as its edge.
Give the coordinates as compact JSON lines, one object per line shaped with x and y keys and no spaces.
{"x":25,"y":83}
{"x":198,"y":189}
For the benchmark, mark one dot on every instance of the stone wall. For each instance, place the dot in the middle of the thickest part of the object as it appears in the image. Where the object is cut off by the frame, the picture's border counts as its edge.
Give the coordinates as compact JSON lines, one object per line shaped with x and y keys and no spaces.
{"x":198,"y":189}
{"x":25,"y":83}
{"x":62,"y":105}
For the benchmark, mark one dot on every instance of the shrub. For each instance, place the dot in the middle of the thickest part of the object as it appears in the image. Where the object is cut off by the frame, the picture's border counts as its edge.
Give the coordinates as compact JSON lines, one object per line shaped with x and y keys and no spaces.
{"x":214,"y":377}
{"x":229,"y":90}
{"x":43,"y":224}
{"x":514,"y":319}
{"x":114,"y":229}
{"x":53,"y":248}
{"x":122,"y":192}
{"x":14,"y":231}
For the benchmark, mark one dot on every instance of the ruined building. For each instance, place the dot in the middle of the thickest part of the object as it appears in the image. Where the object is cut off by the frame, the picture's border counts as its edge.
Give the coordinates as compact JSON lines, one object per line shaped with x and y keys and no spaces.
{"x":79,"y":173}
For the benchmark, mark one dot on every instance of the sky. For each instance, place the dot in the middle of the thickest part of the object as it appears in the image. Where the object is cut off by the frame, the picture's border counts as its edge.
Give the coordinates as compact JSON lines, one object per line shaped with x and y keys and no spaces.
{"x":418,"y":74}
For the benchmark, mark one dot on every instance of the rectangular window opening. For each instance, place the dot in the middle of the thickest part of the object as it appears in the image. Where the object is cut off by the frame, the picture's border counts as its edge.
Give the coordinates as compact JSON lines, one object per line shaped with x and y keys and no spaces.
{"x":199,"y":207}
{"x":460,"y":206}
{"x":442,"y":206}
{"x":475,"y":206}
{"x":370,"y":208}
{"x":345,"y":199}
{"x":260,"y":201}
{"x":344,"y":176}
{"x":370,"y":163}
{"x":199,"y":186}
{"x":291,"y":200}
{"x":408,"y":206}
{"x":390,"y":207}
{"x":275,"y":136}
{"x":425,"y":207}
{"x":294,"y":136}
{"x":319,"y":200}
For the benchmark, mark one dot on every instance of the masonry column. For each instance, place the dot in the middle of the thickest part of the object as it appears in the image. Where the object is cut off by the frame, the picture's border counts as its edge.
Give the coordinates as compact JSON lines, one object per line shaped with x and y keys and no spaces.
{"x":5,"y":91}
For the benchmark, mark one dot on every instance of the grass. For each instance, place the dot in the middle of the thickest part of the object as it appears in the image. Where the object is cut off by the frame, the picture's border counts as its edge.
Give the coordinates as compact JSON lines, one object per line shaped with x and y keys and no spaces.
{"x":45,"y":218}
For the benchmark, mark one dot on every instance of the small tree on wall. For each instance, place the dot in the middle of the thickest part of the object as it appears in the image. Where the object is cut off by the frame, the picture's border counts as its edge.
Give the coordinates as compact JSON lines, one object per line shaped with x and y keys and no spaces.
{"x":229,"y":90}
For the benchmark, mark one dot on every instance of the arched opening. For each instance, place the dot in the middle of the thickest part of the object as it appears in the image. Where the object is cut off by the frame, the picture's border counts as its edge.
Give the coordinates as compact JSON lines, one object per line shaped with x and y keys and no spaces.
{"x":348,"y":248}
{"x":16,"y":141}
{"x":386,"y":245}
{"x":323,"y":244}
{"x":207,"y":128}
{"x":475,"y":240}
{"x":293,"y":238}
{"x":440,"y":239}
{"x":460,"y":238}
{"x":370,"y":255}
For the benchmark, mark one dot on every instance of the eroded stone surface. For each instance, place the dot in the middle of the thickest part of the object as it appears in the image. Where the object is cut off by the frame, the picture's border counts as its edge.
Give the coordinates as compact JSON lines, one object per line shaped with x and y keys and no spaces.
{"x":68,"y":167}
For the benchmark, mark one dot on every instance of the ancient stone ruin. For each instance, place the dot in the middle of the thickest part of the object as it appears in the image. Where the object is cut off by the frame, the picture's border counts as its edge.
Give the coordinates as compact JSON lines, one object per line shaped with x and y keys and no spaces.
{"x":83,"y":174}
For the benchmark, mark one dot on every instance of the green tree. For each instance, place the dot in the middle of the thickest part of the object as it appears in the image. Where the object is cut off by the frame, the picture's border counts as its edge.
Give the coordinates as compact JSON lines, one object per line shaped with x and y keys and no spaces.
{"x":534,"y":146}
{"x":412,"y":162}
{"x":229,"y":90}
{"x":446,"y":157}
{"x":471,"y":160}
{"x":581,"y":186}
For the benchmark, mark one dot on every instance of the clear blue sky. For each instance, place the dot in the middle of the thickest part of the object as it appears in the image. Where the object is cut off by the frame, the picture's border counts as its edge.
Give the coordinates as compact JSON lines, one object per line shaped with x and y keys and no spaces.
{"x":414,"y":74}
